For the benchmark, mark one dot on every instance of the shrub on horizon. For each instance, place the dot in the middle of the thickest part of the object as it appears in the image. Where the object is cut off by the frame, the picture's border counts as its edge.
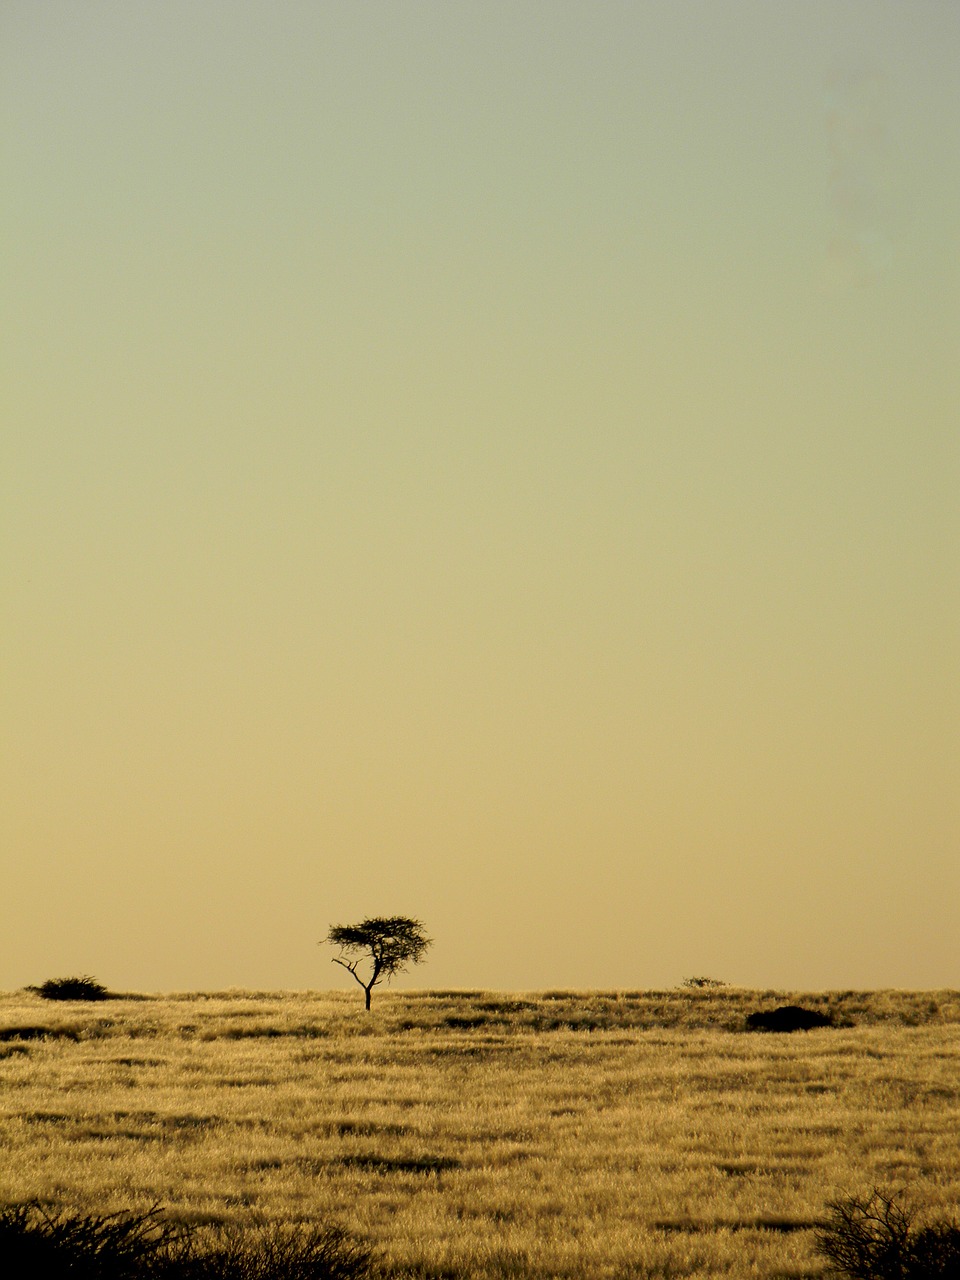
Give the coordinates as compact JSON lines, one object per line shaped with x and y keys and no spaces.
{"x":73,"y":989}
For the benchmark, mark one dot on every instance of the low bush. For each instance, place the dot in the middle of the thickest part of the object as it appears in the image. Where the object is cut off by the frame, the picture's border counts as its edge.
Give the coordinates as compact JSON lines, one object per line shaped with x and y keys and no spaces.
{"x":73,"y":989}
{"x":878,"y":1237}
{"x":129,"y":1246}
{"x":788,"y":1017}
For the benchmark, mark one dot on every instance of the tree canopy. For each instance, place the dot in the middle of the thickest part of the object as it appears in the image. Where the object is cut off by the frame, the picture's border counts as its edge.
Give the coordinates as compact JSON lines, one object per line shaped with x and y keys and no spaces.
{"x":387,"y":943}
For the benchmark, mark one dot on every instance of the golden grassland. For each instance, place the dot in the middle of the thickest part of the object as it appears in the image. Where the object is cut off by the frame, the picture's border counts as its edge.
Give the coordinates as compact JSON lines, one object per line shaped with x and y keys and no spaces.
{"x":480,"y":1134}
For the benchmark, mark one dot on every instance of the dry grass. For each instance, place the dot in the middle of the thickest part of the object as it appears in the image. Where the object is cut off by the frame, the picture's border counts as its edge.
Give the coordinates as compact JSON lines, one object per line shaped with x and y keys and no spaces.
{"x":490,"y":1135}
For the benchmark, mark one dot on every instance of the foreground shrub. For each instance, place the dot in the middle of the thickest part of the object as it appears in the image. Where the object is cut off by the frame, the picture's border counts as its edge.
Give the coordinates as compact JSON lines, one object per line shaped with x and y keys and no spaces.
{"x":128,"y":1246}
{"x":73,"y":989}
{"x":878,"y":1238}
{"x":88,"y":1247}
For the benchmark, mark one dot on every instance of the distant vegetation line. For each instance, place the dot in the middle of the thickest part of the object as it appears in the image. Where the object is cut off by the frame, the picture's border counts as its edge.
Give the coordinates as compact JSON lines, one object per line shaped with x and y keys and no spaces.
{"x":724,"y":1008}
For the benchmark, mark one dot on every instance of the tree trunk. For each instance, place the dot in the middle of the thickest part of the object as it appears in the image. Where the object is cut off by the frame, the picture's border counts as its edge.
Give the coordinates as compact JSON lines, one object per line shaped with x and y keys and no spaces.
{"x":366,"y":992}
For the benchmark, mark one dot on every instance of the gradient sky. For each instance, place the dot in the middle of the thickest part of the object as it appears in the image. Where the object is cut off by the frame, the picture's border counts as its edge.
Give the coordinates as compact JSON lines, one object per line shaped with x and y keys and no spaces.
{"x":492,"y":462}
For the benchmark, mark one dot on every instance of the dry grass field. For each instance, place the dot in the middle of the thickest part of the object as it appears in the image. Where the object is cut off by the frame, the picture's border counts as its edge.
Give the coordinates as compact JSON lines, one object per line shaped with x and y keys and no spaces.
{"x":480,"y":1134}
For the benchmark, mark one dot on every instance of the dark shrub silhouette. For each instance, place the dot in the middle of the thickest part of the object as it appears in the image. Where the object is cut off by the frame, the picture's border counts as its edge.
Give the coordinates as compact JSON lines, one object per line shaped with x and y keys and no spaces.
{"x":877,"y":1238}
{"x":128,"y":1246}
{"x":789,"y":1017}
{"x":34,"y":1242}
{"x":935,"y":1253}
{"x":73,"y":989}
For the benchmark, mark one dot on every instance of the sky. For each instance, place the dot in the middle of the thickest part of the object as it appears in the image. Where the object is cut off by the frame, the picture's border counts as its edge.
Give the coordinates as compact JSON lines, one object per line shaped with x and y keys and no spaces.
{"x":495,"y":463}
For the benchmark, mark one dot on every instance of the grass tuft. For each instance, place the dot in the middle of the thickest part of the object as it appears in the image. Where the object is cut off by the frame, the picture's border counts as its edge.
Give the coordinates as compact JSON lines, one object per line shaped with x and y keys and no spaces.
{"x":37,"y":1033}
{"x":401,"y":1164}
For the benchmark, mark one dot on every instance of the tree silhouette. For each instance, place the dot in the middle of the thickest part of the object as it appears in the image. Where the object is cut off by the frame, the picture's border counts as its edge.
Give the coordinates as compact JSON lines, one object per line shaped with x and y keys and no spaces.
{"x":389,"y":943}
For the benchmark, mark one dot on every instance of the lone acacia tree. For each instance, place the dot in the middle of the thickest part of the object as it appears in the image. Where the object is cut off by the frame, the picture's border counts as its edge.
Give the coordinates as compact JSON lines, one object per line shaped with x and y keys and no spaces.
{"x":390,"y":943}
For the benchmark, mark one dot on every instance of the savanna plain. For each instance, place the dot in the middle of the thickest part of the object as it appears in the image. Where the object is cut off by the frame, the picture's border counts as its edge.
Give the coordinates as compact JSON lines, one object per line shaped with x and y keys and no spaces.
{"x":488,"y":1135}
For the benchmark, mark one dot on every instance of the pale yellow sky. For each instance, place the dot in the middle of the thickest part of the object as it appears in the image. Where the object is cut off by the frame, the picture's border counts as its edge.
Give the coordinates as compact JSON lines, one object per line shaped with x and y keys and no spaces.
{"x":496,"y":463}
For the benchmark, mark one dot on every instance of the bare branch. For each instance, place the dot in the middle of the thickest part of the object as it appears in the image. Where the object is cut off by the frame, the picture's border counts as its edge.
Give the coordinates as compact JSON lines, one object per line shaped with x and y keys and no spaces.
{"x":350,"y":968}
